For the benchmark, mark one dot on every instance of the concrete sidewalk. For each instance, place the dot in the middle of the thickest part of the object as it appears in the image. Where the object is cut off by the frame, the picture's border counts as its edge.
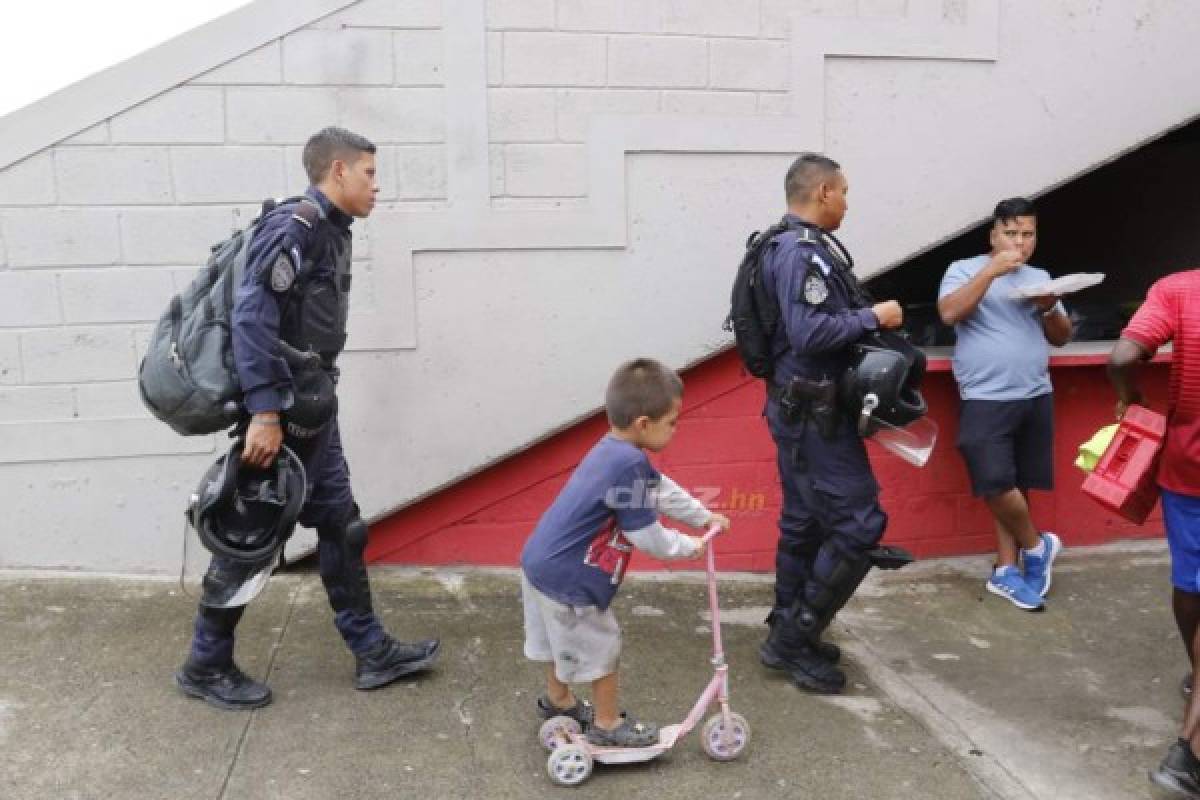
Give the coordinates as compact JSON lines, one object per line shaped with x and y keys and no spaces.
{"x":953,"y":692}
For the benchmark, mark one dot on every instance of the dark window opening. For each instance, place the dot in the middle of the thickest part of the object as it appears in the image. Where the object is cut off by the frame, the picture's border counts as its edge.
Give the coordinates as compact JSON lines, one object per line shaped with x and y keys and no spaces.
{"x":1135,"y":219}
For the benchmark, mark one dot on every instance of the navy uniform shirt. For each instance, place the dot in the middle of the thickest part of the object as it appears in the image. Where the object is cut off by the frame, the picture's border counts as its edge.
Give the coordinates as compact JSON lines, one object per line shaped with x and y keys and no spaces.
{"x":820,"y":316}
{"x":265,"y":378}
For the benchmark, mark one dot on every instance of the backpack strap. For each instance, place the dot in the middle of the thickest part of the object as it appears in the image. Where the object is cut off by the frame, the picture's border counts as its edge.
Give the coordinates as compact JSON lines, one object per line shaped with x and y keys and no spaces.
{"x":858,"y":292}
{"x":762,"y":241}
{"x":807,"y":233}
{"x":239,"y":269}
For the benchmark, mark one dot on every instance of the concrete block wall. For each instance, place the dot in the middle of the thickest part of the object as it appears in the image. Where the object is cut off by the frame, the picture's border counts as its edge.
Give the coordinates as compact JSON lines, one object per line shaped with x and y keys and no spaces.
{"x":566,"y":183}
{"x":97,"y":231}
{"x":554,"y":66}
{"x":102,"y":228}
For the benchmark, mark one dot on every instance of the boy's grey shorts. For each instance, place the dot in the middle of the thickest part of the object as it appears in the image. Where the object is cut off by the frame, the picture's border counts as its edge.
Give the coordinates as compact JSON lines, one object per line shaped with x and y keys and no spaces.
{"x":583,"y":642}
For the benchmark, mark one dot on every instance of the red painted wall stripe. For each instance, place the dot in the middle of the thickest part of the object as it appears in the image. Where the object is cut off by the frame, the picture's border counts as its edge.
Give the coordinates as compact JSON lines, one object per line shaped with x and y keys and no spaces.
{"x":722,"y":448}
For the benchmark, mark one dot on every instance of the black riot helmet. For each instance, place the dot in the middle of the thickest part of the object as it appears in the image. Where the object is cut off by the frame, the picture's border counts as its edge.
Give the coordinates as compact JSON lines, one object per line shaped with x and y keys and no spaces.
{"x":247,"y":514}
{"x":314,"y":403}
{"x":314,"y":396}
{"x":883,"y":383}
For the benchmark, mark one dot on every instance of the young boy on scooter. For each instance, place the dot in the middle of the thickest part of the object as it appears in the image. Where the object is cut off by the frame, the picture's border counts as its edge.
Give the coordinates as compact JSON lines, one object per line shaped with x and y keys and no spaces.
{"x":575,"y":559}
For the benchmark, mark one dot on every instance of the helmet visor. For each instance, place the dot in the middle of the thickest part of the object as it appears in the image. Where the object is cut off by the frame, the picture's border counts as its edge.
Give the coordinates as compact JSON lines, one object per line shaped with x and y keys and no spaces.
{"x":913,"y":443}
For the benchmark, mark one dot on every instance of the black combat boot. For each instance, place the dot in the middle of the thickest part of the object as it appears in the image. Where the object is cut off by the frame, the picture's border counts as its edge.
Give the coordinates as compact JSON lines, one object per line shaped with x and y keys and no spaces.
{"x":826,"y":650}
{"x":225,"y":687}
{"x":788,"y":650}
{"x":392,"y":659}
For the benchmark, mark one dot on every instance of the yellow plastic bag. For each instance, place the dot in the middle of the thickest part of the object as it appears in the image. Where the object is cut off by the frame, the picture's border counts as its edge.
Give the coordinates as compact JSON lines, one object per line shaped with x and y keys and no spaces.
{"x":1091,"y":450}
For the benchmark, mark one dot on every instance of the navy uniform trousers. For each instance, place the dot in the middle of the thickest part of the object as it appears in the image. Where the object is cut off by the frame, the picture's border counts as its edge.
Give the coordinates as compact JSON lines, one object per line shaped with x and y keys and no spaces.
{"x":831,"y":514}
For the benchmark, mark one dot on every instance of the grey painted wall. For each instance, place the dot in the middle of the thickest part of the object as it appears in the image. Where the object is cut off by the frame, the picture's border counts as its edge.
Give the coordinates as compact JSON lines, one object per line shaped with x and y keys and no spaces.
{"x":566,"y":184}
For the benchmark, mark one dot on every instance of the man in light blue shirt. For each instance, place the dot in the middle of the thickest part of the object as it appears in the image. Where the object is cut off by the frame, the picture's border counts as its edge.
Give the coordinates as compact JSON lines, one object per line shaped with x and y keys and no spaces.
{"x":1006,"y":422}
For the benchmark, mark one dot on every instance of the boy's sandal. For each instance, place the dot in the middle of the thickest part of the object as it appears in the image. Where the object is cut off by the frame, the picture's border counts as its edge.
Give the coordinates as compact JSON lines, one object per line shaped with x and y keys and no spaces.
{"x":629,"y":733}
{"x":582,"y":712}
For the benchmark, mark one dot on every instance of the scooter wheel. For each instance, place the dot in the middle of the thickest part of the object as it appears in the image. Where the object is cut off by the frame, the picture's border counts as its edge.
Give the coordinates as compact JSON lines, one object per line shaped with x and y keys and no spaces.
{"x":569,"y":765}
{"x":550,"y":734}
{"x":721,"y":744}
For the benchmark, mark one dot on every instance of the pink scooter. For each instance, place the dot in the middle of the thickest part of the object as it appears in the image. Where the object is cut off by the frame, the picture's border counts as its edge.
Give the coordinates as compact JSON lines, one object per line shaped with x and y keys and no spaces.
{"x":724,"y":736}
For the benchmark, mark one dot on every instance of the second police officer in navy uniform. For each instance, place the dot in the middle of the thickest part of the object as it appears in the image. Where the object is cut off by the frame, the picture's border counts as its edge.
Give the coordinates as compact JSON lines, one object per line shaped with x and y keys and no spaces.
{"x":831,"y":520}
{"x":294,"y":299}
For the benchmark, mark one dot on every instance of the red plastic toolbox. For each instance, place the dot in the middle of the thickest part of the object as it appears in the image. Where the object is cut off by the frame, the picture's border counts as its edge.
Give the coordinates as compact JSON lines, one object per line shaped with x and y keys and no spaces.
{"x":1125,"y":479}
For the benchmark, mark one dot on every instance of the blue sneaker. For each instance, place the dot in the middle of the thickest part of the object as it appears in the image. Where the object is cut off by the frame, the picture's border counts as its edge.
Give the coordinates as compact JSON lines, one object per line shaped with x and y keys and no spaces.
{"x":1038,"y":568}
{"x":1008,"y":583}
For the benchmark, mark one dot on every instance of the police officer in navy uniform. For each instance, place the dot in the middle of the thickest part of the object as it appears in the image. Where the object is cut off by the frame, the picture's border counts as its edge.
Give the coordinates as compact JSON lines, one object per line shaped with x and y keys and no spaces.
{"x":294,"y":299}
{"x":831,"y":520}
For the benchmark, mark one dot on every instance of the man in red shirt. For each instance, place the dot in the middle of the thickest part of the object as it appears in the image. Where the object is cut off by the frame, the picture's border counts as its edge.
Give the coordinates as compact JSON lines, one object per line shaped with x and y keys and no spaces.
{"x":1171,"y":313}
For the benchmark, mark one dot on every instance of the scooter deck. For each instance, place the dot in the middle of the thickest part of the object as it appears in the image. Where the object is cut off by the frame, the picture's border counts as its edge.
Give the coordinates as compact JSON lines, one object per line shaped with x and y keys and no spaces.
{"x":630,"y":755}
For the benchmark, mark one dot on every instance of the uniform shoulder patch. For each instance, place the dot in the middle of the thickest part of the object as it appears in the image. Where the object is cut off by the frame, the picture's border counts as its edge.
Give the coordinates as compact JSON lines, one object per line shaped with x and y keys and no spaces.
{"x":283,"y":273}
{"x":816,"y":290}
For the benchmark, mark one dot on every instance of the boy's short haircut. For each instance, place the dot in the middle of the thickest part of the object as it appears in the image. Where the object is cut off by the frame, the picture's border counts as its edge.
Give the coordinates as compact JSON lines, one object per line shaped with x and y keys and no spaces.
{"x":332,"y":143}
{"x":641,"y":388}
{"x":1011,"y":208}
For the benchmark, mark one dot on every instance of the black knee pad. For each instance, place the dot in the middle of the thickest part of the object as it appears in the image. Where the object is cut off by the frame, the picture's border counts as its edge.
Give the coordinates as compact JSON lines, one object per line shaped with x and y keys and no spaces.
{"x":849,"y":567}
{"x":350,"y":533}
{"x":342,"y":568}
{"x":848,"y":571}
{"x":356,"y":535}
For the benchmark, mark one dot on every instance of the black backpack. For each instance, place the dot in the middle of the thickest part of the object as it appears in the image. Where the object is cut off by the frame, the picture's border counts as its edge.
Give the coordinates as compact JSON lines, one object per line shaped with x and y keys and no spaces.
{"x":753,"y":310}
{"x":188,"y":378}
